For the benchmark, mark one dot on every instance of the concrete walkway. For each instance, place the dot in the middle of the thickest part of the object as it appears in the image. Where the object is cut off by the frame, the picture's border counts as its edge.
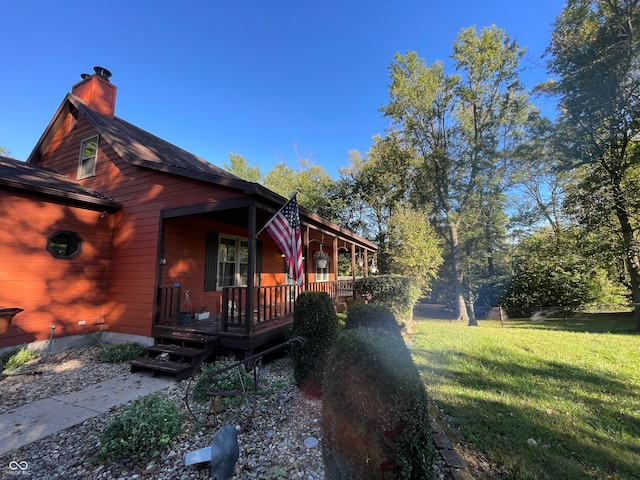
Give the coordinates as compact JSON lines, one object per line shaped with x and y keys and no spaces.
{"x":42,"y":418}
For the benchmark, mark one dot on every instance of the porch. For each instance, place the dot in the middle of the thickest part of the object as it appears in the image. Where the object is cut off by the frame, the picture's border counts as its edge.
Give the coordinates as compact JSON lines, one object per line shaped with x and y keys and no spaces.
{"x":244,"y":318}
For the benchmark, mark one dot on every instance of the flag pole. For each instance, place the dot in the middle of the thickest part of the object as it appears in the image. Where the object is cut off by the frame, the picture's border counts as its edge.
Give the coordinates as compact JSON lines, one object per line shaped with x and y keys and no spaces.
{"x":276,"y":214}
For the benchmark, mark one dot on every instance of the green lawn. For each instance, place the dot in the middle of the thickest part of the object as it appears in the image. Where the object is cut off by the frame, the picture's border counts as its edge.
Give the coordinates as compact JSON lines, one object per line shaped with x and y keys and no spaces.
{"x":554,"y":399}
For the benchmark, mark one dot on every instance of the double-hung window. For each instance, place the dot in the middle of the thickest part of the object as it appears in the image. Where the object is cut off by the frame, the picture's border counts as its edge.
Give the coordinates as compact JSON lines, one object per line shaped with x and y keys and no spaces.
{"x":88,"y":158}
{"x":233,"y":266}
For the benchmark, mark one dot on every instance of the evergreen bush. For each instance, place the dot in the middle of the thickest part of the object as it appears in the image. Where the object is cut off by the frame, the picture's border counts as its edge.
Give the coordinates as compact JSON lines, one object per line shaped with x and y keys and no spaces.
{"x":16,"y":358}
{"x":232,"y":380}
{"x":142,"y":429}
{"x":398,"y":293}
{"x":375,"y":420}
{"x":122,"y":352}
{"x":368,"y":315}
{"x":316,"y":321}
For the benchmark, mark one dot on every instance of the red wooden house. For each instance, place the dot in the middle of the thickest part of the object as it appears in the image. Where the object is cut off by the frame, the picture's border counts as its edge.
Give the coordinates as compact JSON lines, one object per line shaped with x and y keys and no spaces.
{"x":107,"y":231}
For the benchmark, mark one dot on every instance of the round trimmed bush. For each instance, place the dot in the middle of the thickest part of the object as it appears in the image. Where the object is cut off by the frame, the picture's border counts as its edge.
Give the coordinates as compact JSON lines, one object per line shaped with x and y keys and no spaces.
{"x":369,"y":315}
{"x":315,"y":320}
{"x":375,"y":421}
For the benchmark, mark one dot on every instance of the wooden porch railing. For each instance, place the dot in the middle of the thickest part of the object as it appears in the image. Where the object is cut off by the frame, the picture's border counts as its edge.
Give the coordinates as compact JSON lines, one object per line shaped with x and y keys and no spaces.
{"x":168,"y":307}
{"x":270,"y":303}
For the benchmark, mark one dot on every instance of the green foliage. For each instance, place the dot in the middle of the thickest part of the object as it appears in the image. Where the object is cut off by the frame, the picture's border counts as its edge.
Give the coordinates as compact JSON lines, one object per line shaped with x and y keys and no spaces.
{"x":241,"y":168}
{"x":552,"y":272}
{"x":398,"y":293}
{"x":141,"y":429}
{"x":378,"y":183}
{"x":374,"y":410}
{"x":316,"y":321}
{"x":414,"y":249}
{"x":594,"y":55}
{"x":15,"y":359}
{"x":464,"y":127}
{"x":368,"y":315}
{"x":123,"y":352}
{"x":312,"y":180}
{"x":233,"y":380}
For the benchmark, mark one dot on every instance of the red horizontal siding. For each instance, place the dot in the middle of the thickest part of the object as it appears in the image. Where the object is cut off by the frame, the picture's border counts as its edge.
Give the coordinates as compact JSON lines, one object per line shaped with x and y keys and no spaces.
{"x":51,"y":291}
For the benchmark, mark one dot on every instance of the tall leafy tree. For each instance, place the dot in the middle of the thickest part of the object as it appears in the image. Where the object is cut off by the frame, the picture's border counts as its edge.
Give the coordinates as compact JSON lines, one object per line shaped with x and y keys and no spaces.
{"x":461,"y":125}
{"x":239,"y":166}
{"x":595,"y":54}
{"x":413,"y":246}
{"x":538,"y":185}
{"x":381,"y":180}
{"x":313,"y":182}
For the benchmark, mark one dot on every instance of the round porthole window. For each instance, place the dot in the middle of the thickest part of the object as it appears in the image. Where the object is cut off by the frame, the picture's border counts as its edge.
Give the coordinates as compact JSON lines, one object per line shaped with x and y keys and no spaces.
{"x":64,"y":245}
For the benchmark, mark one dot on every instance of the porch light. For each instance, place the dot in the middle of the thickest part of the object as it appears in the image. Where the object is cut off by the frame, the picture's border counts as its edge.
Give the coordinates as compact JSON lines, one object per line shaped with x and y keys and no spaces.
{"x":360,"y":259}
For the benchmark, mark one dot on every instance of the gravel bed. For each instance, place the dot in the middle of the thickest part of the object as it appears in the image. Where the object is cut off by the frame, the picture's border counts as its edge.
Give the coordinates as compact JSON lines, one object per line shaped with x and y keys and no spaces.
{"x":282,"y":440}
{"x":271,"y":447}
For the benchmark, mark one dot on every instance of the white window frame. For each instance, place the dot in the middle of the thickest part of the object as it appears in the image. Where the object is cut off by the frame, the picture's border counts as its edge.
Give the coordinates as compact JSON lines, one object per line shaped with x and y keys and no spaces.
{"x":237,"y":262}
{"x":87,"y":163}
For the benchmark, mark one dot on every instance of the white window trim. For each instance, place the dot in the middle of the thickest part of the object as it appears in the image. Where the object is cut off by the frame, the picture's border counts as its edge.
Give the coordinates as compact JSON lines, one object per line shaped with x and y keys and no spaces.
{"x":238,"y":263}
{"x":82,"y":159}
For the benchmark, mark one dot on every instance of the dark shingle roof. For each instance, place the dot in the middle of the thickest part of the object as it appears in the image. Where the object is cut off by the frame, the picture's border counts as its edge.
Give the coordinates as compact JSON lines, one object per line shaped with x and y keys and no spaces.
{"x":45,"y":181}
{"x":137,"y":146}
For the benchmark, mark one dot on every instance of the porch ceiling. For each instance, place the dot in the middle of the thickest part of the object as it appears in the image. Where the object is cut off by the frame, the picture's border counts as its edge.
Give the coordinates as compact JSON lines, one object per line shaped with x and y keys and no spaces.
{"x":236,"y":212}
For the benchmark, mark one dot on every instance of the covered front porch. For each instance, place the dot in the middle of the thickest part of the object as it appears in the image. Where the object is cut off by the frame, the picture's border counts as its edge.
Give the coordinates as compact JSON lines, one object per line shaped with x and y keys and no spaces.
{"x":214,"y":257}
{"x":239,"y":324}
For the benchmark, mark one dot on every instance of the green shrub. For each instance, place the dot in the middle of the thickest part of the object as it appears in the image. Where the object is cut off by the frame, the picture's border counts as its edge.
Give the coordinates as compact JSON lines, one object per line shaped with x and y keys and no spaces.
{"x":315,"y":320}
{"x":123,"y":352}
{"x":234,"y":379}
{"x":16,"y":358}
{"x":398,"y":293}
{"x":142,"y":429}
{"x":368,"y":315}
{"x":375,"y":421}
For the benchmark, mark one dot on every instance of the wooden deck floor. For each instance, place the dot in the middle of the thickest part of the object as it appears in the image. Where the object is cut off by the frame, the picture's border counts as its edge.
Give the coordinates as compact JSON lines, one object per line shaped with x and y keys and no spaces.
{"x":235,"y":338}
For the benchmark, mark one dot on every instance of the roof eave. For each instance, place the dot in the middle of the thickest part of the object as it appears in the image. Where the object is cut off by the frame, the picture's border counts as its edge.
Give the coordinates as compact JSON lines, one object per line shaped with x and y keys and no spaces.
{"x":75,"y":198}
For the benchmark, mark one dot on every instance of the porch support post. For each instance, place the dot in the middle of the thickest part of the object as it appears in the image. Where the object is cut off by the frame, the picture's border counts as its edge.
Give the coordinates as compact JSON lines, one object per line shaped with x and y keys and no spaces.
{"x":353,"y":260}
{"x":334,"y":258}
{"x":305,"y":241}
{"x":251,"y":268}
{"x":366,"y":263}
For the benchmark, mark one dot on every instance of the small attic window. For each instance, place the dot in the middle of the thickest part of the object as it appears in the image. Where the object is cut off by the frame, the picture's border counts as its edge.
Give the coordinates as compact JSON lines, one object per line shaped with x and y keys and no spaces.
{"x":65,"y":245}
{"x":88,"y":157}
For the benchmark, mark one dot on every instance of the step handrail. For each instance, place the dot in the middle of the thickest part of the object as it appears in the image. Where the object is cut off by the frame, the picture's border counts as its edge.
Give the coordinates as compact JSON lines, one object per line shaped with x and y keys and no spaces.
{"x":254,"y":361}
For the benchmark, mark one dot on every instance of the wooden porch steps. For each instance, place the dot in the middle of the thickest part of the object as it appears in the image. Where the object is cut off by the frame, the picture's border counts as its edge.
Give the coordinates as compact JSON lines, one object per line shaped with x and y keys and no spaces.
{"x":176,"y":353}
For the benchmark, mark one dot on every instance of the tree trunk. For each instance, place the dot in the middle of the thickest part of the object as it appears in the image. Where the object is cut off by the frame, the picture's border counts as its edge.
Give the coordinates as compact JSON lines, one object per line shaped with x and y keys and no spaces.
{"x":633,"y":256}
{"x":457,"y":273}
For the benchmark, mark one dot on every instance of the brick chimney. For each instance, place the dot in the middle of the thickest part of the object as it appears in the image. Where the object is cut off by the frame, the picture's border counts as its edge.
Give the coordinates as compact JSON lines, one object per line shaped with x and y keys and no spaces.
{"x":97,"y":91}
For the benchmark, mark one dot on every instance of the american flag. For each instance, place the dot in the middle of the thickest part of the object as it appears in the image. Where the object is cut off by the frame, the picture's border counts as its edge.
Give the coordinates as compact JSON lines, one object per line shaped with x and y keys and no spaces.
{"x":284,"y":228}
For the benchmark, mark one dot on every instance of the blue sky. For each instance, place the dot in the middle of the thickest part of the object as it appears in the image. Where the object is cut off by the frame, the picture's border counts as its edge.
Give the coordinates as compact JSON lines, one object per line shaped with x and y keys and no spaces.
{"x":261,"y":78}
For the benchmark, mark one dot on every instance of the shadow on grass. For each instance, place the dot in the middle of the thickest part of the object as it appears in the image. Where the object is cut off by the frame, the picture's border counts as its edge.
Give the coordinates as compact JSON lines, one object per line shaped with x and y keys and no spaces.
{"x":584,"y":423}
{"x":619,"y":322}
